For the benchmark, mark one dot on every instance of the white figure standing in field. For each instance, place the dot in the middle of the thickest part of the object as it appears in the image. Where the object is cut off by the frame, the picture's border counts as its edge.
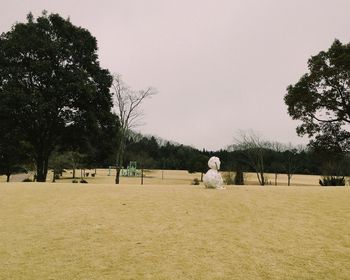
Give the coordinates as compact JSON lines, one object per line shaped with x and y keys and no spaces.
{"x":212,"y":179}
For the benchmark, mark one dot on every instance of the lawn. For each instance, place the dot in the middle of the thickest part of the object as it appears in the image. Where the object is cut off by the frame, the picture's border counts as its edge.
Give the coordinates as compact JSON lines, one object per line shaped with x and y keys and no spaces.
{"x":173,"y":231}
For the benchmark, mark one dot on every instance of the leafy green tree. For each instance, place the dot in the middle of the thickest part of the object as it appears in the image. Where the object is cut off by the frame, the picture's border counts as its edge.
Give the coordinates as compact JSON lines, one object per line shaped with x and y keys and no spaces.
{"x":321,"y":98}
{"x":11,"y":157}
{"x":49,"y":68}
{"x":58,"y":162}
{"x":331,"y":159}
{"x":102,"y":142}
{"x":95,"y":140}
{"x":199,"y":163}
{"x":13,"y":151}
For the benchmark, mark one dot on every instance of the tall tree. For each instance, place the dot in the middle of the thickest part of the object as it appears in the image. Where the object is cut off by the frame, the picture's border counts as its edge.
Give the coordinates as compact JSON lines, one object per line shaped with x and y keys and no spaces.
{"x":290,"y":162}
{"x":127,"y":104}
{"x":12,"y":150}
{"x":321,"y":98}
{"x":330,"y":156}
{"x":49,"y":68}
{"x":198,"y":163}
{"x":12,"y":153}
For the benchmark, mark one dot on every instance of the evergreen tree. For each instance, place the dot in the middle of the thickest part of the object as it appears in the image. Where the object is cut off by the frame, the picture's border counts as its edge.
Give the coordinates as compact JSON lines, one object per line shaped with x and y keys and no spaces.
{"x":49,"y":69}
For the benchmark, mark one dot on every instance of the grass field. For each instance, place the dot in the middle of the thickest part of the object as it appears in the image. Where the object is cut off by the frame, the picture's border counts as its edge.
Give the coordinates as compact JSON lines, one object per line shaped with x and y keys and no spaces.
{"x":168,"y":229}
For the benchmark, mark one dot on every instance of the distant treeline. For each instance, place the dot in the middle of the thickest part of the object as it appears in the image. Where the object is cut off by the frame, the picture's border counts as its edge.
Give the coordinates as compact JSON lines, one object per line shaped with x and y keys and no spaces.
{"x":154,"y":153}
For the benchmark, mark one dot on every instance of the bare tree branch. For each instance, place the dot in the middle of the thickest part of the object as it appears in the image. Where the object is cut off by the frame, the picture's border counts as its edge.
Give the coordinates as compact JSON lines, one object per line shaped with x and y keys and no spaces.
{"x":127,"y":103}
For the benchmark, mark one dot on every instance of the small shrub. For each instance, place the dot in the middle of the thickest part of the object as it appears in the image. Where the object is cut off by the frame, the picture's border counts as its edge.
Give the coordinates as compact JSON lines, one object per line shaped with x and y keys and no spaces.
{"x":332,"y":181}
{"x":195,"y":181}
{"x":93,"y":175}
{"x":75,"y":181}
{"x":87,"y":174}
{"x":27,"y":180}
{"x":347,"y":181}
{"x":83,"y":181}
{"x":228,"y":178}
{"x":236,"y":178}
{"x":239,"y":178}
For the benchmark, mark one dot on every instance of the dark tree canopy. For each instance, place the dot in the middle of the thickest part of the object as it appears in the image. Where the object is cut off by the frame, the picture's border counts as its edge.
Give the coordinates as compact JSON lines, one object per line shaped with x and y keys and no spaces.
{"x":321,"y":98}
{"x":11,"y":147}
{"x":50,"y":79}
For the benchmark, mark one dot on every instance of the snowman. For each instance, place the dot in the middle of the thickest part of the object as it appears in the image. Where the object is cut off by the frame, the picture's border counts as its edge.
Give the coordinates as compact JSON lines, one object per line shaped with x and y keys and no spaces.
{"x":212,"y":179}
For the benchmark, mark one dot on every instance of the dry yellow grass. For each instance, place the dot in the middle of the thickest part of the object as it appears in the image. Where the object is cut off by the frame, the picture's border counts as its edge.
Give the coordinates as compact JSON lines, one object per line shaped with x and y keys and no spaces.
{"x":152,"y":177}
{"x":173,"y":177}
{"x":173,"y":231}
{"x":180,"y":177}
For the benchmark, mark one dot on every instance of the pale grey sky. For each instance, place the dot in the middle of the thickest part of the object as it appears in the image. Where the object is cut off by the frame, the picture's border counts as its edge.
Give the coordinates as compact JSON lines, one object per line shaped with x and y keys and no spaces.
{"x":219,"y":66}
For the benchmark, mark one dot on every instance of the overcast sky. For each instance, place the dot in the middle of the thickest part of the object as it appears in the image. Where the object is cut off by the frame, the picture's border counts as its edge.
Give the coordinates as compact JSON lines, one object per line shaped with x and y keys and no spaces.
{"x":218,"y":66}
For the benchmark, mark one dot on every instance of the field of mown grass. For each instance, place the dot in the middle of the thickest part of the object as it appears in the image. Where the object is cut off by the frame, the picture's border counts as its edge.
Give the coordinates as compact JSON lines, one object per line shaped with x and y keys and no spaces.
{"x":168,"y":229}
{"x":167,"y":177}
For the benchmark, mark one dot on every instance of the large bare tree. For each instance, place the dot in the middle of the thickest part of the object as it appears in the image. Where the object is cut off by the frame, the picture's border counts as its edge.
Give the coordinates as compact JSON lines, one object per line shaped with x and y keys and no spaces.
{"x":288,"y":159}
{"x":291,"y":163}
{"x":254,"y":150}
{"x":127,"y":105}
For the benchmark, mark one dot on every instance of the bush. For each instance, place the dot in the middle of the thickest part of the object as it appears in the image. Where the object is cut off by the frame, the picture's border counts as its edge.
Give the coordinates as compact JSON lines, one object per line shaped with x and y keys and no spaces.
{"x":236,"y":178}
{"x":228,"y":178}
{"x":27,"y":180}
{"x":83,"y":181}
{"x":239,"y":178}
{"x":332,"y":181}
{"x":93,"y":175}
{"x":195,"y":181}
{"x":75,"y":181}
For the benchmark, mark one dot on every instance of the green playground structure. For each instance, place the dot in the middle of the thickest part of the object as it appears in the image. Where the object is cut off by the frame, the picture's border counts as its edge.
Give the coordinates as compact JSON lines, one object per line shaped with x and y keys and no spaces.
{"x":131,"y":170}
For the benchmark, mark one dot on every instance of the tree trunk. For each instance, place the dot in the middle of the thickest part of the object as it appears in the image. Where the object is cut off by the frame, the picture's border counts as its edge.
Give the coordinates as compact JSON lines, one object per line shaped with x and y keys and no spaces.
{"x":276,"y":179}
{"x":117,"y":174}
{"x":201,"y":176}
{"x":54,"y":177}
{"x":258,"y":175}
{"x":41,"y":170}
{"x":73,"y":172}
{"x":261,"y":178}
{"x":289,"y":177}
{"x":259,"y":169}
{"x":118,"y":168}
{"x":120,"y":156}
{"x":46,"y":165}
{"x":262,"y":170}
{"x":8,"y":177}
{"x":42,"y":161}
{"x":142,"y":176}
